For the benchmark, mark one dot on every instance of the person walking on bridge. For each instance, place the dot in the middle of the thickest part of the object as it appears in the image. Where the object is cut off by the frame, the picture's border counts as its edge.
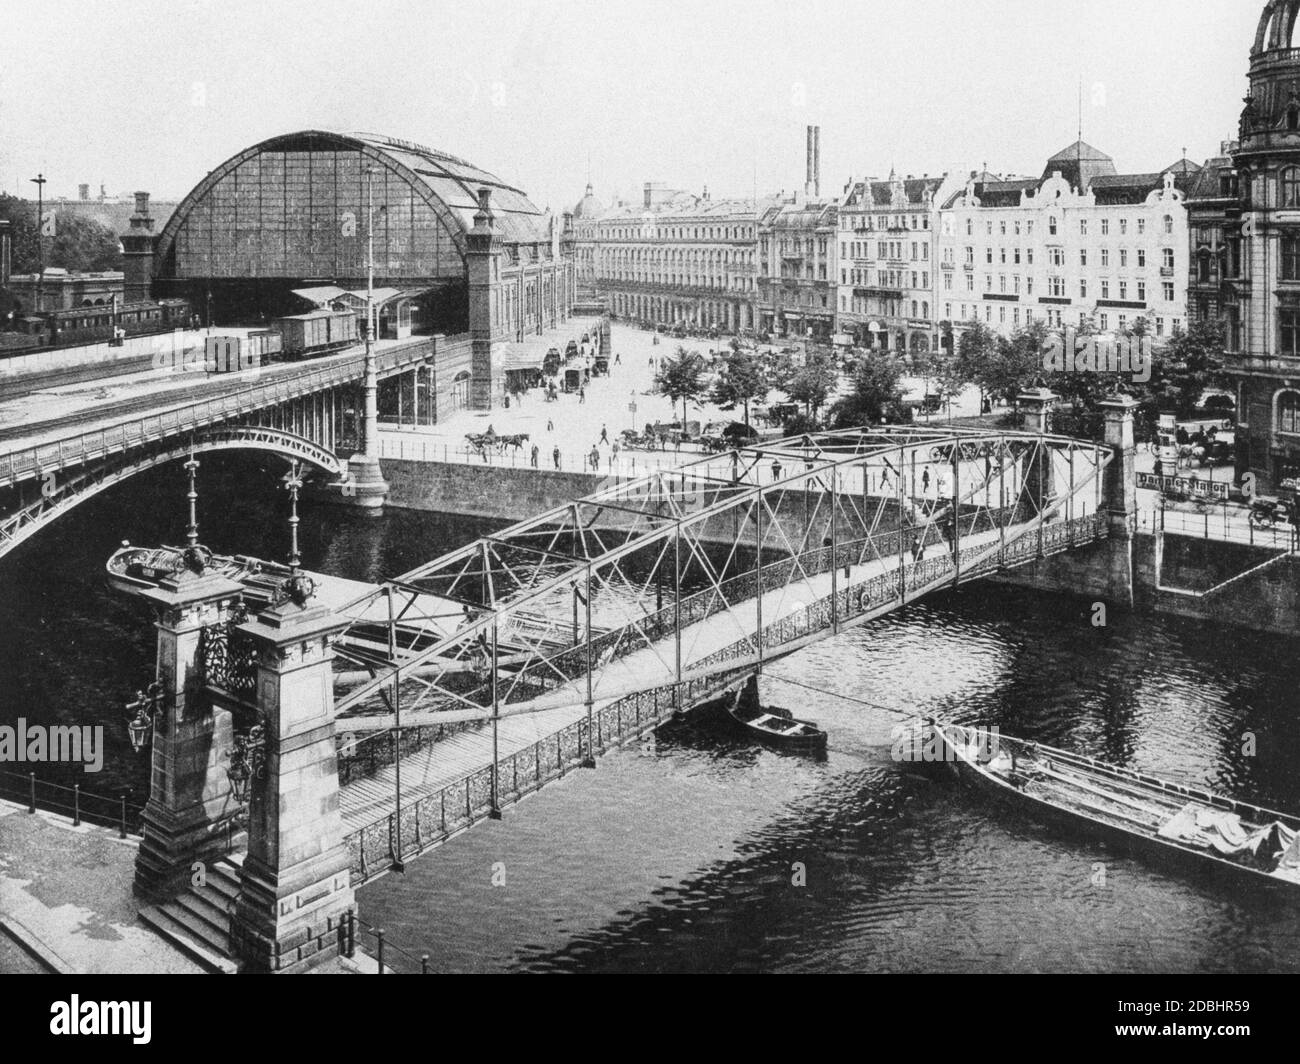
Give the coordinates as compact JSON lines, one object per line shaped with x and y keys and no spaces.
{"x":536,"y":453}
{"x":604,"y":434}
{"x":555,"y":454}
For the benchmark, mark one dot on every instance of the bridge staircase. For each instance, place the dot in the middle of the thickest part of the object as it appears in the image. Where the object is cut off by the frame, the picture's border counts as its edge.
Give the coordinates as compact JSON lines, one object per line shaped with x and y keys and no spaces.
{"x":198,"y":921}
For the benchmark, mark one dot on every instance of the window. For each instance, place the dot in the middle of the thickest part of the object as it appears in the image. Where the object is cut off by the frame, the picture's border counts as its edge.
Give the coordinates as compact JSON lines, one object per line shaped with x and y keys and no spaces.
{"x":1169,"y":224}
{"x":1123,"y":258}
{"x":1168,"y":288}
{"x":1105,"y":256}
{"x":1123,"y":322}
{"x":1017,"y":257}
{"x":1003,"y":258}
{"x":1051,"y":225}
{"x":970,"y":282}
{"x":1167,"y":256}
{"x":1142,"y":291}
{"x":1058,"y":256}
{"x":1105,"y":227}
{"x":970,"y":255}
{"x":1291,"y":257}
{"x":1029,"y":286}
{"x":1056,"y":286}
{"x":1105,"y":322}
{"x":1029,"y":255}
{"x":1142,"y":226}
{"x":1083,"y":226}
{"x":970,"y":227}
{"x":1160,"y":326}
{"x":1123,"y":290}
{"x":1288,"y":412}
{"x":988,"y":256}
{"x":1142,"y":258}
{"x":1002,"y":282}
{"x":1083,"y":289}
{"x":1123,"y":227}
{"x":1105,"y":289}
{"x":1004,"y":228}
{"x":1083,"y":256}
{"x":1290,"y":332}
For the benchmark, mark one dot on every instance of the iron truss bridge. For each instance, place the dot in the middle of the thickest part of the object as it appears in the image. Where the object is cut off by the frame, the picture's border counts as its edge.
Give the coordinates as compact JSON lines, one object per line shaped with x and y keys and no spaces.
{"x":476,"y":678}
{"x":707,"y":569}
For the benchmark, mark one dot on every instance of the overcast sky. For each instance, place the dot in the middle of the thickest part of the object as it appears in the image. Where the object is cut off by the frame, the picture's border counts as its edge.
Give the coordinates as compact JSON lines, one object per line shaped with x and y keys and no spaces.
{"x":145,"y":94}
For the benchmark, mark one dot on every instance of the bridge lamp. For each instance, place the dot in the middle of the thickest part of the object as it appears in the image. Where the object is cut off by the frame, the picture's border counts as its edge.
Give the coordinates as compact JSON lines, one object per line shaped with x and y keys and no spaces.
{"x":247,"y":761}
{"x":145,"y":706}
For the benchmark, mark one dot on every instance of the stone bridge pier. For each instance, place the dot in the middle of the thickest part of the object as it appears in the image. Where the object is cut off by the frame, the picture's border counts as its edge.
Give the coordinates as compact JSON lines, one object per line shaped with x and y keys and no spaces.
{"x":190,"y":815}
{"x":295,"y":884}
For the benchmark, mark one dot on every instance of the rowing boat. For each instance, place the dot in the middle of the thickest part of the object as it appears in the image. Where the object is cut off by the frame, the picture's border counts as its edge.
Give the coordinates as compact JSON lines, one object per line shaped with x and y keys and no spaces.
{"x":133,"y":568}
{"x":771,"y":725}
{"x":1156,"y":815}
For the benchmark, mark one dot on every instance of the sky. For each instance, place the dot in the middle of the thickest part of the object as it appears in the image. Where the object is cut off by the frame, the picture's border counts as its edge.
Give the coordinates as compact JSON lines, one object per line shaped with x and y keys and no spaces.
{"x":146,"y":94}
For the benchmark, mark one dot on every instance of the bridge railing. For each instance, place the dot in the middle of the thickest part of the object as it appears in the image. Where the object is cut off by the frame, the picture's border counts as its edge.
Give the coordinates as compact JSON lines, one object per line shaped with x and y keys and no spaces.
{"x":189,"y":417}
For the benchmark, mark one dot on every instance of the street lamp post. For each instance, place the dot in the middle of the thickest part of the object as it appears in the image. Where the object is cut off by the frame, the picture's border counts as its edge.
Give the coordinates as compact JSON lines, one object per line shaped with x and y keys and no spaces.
{"x":39,"y":181}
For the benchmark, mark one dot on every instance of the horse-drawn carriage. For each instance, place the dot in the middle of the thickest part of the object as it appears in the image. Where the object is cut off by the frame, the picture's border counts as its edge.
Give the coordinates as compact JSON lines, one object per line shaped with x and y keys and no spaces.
{"x":487,"y":443}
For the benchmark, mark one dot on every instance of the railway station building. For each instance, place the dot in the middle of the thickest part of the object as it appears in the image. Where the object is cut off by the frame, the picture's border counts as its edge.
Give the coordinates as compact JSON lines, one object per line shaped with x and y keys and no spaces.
{"x":457,"y":251}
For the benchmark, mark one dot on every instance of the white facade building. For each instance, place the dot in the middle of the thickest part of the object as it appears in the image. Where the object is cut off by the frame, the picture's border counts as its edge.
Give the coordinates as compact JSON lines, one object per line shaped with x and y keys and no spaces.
{"x":1082,"y":242}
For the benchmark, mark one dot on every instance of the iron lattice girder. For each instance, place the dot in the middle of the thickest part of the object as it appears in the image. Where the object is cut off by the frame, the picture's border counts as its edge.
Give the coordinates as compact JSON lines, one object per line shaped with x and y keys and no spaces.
{"x":734,"y":481}
{"x":59,"y":494}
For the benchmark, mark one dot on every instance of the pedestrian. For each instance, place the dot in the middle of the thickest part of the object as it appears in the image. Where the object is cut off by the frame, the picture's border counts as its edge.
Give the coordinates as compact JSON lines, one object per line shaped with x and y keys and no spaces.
{"x":918,"y":548}
{"x":550,"y":425}
{"x":582,"y":394}
{"x":618,"y":359}
{"x":776,"y":469}
{"x":595,"y":458}
{"x":884,"y":477}
{"x":536,"y":453}
{"x":925,"y":480}
{"x":1160,"y":468}
{"x":555,"y":454}
{"x":614,"y":448}
{"x":604,"y":434}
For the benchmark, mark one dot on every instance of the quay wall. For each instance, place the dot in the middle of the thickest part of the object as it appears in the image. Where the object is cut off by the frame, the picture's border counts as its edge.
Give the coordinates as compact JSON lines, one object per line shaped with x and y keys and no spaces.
{"x":1176,"y":575}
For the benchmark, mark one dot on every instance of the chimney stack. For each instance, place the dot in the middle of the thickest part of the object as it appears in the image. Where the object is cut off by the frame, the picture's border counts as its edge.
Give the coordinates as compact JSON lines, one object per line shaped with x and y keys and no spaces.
{"x":817,"y":161}
{"x":137,"y":252}
{"x":83,"y":192}
{"x":808,"y":163}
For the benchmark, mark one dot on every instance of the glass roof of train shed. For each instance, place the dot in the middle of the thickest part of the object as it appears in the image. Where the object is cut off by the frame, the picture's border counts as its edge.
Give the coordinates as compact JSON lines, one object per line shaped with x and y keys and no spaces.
{"x":296,"y":206}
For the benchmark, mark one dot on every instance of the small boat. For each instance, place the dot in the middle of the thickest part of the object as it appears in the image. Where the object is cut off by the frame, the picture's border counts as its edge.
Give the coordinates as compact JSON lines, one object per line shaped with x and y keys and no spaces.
{"x":773,"y":726}
{"x":132,"y":568}
{"x":1125,"y":805}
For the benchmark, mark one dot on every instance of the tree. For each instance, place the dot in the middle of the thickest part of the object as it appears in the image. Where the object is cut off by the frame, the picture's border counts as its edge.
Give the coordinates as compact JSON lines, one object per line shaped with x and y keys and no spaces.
{"x":1019,"y":361}
{"x":1190,"y":363}
{"x":743,"y":379}
{"x":979,"y":357}
{"x":682,"y":378}
{"x":877,"y":393}
{"x":813,"y":383}
{"x":79,"y":244}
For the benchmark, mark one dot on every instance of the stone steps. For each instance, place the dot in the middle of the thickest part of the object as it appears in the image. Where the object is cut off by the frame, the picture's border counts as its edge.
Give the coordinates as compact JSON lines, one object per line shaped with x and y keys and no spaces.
{"x":198,"y":921}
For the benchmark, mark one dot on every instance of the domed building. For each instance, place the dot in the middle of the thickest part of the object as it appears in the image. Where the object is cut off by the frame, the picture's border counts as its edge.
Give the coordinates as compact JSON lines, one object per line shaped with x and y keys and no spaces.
{"x":1261,"y":270}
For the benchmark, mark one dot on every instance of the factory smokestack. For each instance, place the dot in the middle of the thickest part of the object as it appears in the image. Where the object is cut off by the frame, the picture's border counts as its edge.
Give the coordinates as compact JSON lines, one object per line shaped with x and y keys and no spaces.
{"x":817,"y":161}
{"x":808,"y":167}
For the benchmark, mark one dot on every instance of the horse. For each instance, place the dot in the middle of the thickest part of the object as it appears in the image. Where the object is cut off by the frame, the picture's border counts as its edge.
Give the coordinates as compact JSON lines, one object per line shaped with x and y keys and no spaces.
{"x":516,"y":441}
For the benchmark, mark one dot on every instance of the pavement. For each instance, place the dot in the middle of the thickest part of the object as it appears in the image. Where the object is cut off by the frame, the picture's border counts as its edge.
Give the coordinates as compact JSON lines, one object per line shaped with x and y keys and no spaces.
{"x":574,"y":424}
{"x":66,"y":896}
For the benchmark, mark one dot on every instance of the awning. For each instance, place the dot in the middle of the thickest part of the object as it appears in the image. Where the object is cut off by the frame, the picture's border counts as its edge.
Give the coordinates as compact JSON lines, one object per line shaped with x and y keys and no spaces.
{"x":842,"y":340}
{"x":321,"y":295}
{"x":528,"y":353}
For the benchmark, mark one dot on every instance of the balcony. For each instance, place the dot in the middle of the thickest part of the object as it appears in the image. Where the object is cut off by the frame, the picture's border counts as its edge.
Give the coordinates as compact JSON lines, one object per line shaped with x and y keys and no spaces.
{"x":1166,"y":271}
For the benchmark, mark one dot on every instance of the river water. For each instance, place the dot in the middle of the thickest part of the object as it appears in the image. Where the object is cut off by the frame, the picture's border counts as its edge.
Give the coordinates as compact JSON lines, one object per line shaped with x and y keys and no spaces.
{"x":701,"y":852}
